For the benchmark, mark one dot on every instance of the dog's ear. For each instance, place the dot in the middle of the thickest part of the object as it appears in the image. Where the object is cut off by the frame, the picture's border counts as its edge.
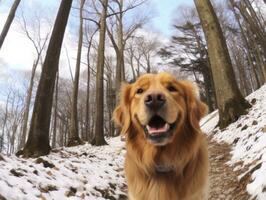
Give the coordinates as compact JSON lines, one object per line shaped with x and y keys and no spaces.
{"x":195,"y":107}
{"x":121,"y":114}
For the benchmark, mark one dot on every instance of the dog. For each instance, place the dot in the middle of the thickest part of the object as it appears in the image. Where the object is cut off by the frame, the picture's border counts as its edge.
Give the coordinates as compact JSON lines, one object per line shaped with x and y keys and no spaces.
{"x":167,"y":157}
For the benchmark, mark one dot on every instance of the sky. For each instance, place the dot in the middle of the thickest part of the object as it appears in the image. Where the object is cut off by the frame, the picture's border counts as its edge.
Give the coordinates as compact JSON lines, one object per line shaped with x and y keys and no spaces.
{"x":165,"y":11}
{"x":17,"y":52}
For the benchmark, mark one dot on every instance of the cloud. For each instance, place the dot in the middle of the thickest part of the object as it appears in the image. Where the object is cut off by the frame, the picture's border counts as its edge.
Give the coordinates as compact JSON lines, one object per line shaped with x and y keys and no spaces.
{"x":17,"y":51}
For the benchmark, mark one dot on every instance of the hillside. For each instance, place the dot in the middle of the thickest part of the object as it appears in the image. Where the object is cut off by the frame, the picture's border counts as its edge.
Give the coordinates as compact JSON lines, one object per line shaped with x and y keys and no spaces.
{"x":237,"y":155}
{"x":247,"y":140}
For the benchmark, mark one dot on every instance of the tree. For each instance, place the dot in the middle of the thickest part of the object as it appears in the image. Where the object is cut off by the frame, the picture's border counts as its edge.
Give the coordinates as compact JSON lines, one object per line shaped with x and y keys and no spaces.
{"x":9,"y":21}
{"x":148,"y":47}
{"x":55,"y":110}
{"x":255,"y":36}
{"x":99,"y":123}
{"x":187,"y":51}
{"x":39,"y":44}
{"x":121,"y":34}
{"x":88,"y":114}
{"x":230,"y":102}
{"x":74,"y":138}
{"x":38,"y":140}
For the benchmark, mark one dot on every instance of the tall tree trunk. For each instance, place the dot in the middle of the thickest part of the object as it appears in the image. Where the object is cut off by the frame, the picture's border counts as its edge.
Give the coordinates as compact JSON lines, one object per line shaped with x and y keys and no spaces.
{"x":99,"y":123}
{"x":206,"y":73}
{"x":119,"y":47}
{"x":246,"y":42}
{"x":4,"y":124}
{"x":55,"y":111}
{"x":27,"y":104}
{"x":9,"y":21}
{"x":74,"y":138}
{"x":88,"y":111}
{"x":38,"y":140}
{"x":131,"y":58}
{"x":253,"y":22}
{"x":88,"y":116}
{"x":231,"y":103}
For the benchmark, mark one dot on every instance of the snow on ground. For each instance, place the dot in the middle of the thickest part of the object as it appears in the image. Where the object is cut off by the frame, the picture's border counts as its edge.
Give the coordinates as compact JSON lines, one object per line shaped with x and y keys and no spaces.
{"x":82,"y":172}
{"x":248,"y":139}
{"x":96,"y":173}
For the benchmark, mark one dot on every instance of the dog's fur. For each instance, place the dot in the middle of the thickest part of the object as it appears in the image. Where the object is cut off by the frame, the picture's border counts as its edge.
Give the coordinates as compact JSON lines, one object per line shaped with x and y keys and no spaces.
{"x":183,"y":155}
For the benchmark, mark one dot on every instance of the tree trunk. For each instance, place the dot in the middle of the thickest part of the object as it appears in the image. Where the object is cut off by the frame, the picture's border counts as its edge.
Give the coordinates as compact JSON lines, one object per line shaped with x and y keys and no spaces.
{"x":27,"y":104}
{"x":55,"y":111}
{"x":252,"y":20}
{"x":131,"y":58}
{"x":87,"y":117}
{"x":206,"y":72}
{"x":74,"y":138}
{"x":38,"y":140}
{"x":246,"y":42}
{"x":4,"y":124}
{"x":99,"y":123}
{"x":9,"y":21}
{"x":231,"y":103}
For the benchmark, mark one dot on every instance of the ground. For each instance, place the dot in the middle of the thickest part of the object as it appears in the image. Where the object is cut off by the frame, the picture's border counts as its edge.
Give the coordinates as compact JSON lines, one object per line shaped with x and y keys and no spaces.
{"x":224,"y":183}
{"x":66,"y":172}
{"x":82,"y":172}
{"x":237,"y":165}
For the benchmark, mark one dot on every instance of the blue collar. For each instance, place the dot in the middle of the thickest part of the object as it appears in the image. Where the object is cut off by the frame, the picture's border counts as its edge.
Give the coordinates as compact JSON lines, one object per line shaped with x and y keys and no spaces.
{"x":163,"y":168}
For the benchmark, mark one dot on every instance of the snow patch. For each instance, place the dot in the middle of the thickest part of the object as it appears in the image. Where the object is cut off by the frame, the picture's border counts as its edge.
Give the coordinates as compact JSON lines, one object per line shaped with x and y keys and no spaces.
{"x":248,"y":139}
{"x":82,"y":172}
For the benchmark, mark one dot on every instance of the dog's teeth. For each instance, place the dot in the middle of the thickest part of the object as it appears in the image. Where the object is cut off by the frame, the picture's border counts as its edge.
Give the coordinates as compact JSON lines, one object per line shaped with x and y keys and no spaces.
{"x":166,"y":127}
{"x":153,"y":130}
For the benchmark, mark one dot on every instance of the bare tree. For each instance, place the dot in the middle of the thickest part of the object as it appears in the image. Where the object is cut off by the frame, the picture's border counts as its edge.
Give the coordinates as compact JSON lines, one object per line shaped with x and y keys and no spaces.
{"x":74,"y":138}
{"x":99,"y":123}
{"x":55,"y":111}
{"x":39,"y":45}
{"x":88,"y":112}
{"x":38,"y":140}
{"x":9,"y":21}
{"x":120,"y":36}
{"x":14,"y":119}
{"x":230,"y":102}
{"x":4,"y":121}
{"x":148,"y":47}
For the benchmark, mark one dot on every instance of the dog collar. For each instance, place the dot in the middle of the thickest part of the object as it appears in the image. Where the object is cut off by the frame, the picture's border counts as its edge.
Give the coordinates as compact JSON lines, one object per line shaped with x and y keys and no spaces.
{"x":163,"y":168}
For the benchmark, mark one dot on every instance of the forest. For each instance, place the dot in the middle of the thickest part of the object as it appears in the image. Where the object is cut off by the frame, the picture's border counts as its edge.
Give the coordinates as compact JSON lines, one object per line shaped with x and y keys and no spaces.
{"x":83,"y":51}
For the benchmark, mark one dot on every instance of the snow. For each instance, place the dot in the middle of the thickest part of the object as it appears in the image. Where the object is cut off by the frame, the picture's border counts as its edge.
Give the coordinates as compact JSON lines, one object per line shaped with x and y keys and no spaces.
{"x":247,"y":136}
{"x":89,"y":172}
{"x":96,"y":173}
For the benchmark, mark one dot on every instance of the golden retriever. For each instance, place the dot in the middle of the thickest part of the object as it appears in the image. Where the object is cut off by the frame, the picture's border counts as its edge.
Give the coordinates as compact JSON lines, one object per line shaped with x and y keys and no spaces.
{"x":166,"y":155}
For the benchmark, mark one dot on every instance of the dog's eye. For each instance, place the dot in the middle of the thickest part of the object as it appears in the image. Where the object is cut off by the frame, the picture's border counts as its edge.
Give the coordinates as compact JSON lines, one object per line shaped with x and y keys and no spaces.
{"x":139,"y":91}
{"x":171,"y":88}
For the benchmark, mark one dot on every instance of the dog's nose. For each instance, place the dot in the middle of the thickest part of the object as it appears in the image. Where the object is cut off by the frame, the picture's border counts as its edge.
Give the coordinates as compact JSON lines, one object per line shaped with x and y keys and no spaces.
{"x":155,"y":101}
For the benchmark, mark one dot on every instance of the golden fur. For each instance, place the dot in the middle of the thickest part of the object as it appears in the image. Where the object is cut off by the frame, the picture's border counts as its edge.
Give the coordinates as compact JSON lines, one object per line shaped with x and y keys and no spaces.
{"x":185,"y":152}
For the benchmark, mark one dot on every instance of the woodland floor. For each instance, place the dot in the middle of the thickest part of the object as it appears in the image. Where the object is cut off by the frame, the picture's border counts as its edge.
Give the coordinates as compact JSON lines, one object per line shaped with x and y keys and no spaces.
{"x":224,"y":183}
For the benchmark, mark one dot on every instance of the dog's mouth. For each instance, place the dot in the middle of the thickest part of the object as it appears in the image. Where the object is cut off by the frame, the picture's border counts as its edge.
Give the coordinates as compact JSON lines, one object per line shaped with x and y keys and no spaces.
{"x":158,"y":131}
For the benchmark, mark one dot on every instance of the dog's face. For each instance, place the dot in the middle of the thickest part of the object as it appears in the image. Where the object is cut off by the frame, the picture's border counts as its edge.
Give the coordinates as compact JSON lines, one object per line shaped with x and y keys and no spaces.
{"x":157,"y":105}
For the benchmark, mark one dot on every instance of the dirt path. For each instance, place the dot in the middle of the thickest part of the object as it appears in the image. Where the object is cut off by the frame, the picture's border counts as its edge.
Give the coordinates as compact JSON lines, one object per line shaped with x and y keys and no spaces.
{"x":224,"y":184}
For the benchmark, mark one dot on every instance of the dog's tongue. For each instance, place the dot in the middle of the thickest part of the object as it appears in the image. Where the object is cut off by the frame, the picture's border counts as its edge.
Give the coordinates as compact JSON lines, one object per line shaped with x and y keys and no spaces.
{"x":158,"y":130}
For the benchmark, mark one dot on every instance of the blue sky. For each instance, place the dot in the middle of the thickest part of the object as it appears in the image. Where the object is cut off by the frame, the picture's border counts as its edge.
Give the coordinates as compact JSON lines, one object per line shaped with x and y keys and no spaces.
{"x":161,"y":21}
{"x":166,"y":9}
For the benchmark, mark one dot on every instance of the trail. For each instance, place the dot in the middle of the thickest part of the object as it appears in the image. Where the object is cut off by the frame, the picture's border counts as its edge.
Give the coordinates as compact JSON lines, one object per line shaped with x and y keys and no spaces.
{"x":224,"y":184}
